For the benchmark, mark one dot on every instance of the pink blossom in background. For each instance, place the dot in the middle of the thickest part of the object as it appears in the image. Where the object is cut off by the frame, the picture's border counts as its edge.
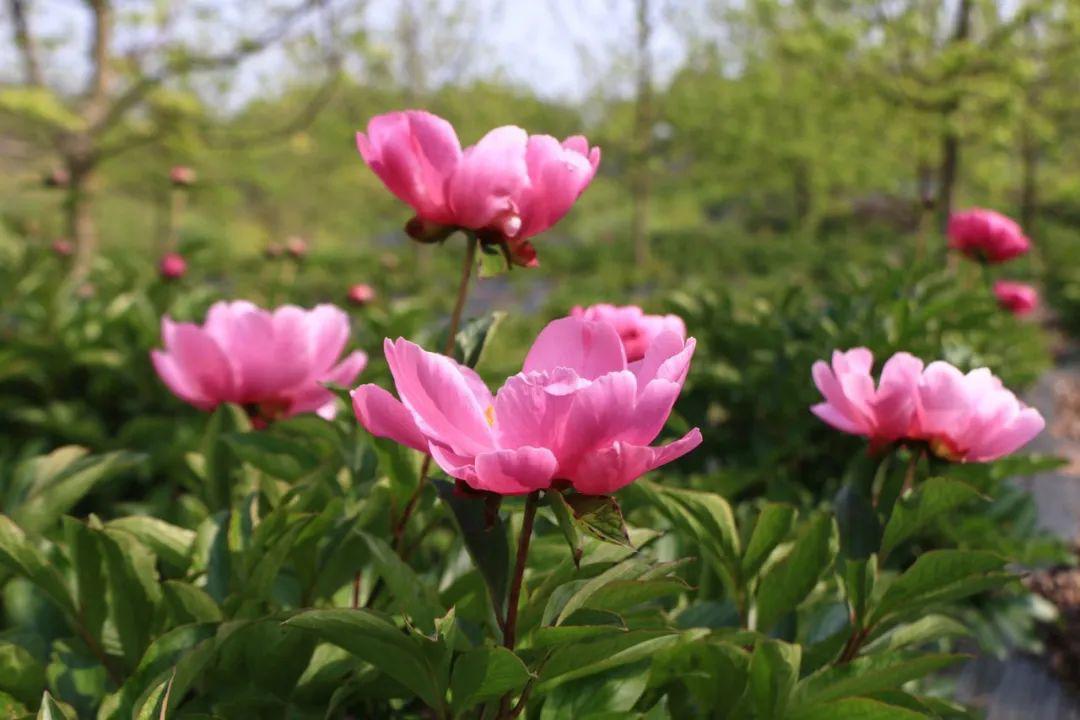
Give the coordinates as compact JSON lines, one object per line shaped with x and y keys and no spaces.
{"x":635,"y":328}
{"x":963,"y":418}
{"x":271,"y":362}
{"x":172,"y":266}
{"x":182,"y":176}
{"x":853,"y":404}
{"x":1016,"y":297}
{"x":508,"y":187}
{"x":577,"y":412}
{"x":986,"y":235}
{"x":361,"y":294}
{"x":63,"y":247}
{"x":972,"y":417}
{"x":297,"y":247}
{"x":57,"y":178}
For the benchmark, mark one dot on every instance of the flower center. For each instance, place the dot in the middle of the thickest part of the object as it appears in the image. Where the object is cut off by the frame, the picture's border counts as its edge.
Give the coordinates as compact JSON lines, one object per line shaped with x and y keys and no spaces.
{"x":489,"y":415}
{"x":946,"y":450}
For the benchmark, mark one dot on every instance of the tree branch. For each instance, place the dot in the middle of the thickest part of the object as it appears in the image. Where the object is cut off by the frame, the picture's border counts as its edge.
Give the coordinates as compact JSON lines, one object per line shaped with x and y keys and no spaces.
{"x":27,"y":43}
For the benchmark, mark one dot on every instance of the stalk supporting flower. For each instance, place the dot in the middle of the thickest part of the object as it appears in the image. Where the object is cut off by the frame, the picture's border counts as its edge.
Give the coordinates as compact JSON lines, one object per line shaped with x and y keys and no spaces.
{"x":514,"y":597}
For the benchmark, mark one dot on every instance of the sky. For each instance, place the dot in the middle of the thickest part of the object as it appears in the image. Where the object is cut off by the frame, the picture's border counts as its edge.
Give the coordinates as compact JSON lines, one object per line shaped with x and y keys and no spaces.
{"x":562,"y":49}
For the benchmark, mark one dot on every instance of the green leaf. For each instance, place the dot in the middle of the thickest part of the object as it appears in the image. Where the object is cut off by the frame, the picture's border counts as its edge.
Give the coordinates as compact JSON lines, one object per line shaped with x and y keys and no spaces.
{"x":375,"y":640}
{"x":928,"y":629}
{"x":484,"y":673}
{"x":564,"y":514}
{"x":854,"y":709}
{"x":133,"y":591}
{"x":860,"y":531}
{"x":859,"y":577}
{"x":474,"y":336}
{"x":21,"y":676}
{"x":21,"y":557}
{"x":88,"y":562}
{"x":786,"y":583}
{"x":611,"y":695}
{"x":170,"y":543}
{"x":488,"y":547}
{"x":64,"y":477}
{"x":40,"y":106}
{"x":51,"y":710}
{"x":773,"y":525}
{"x":277,"y":456}
{"x":939,"y":575}
{"x":774,"y":670}
{"x":577,"y":594}
{"x":154,"y":706}
{"x":418,"y":600}
{"x":929,"y":501}
{"x":622,"y":594}
{"x":189,"y":604}
{"x":601,"y":517}
{"x":872,"y":674}
{"x":217,"y":457}
{"x":705,"y":516}
{"x":600,"y":654}
{"x":565,"y":634}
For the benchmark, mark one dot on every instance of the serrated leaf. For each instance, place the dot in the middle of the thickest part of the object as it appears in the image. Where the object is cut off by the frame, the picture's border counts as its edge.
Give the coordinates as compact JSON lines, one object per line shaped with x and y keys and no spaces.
{"x":933,"y":498}
{"x":786,"y":583}
{"x":601,"y":517}
{"x":484,"y":673}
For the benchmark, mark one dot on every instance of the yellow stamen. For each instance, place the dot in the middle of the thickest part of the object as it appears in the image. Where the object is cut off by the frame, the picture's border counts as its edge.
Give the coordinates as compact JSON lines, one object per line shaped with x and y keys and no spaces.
{"x":489,"y":415}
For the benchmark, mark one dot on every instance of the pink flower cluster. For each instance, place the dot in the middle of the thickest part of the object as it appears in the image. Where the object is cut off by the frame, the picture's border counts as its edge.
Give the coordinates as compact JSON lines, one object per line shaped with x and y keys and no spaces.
{"x":965,"y":418}
{"x":273,"y":363}
{"x":578,"y":412}
{"x":172,"y":266}
{"x":508,"y":187}
{"x":986,"y":235}
{"x":1016,"y":297}
{"x":636,"y":329}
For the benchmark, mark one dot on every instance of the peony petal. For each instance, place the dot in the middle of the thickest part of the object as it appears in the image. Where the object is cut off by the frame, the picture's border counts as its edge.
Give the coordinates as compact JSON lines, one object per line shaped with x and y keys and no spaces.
{"x":589,"y":348}
{"x":312,"y":396}
{"x":488,"y":178}
{"x":532,"y":408}
{"x":199,"y":359}
{"x":515,"y":472}
{"x":383,"y":415}
{"x":599,"y":415}
{"x":607,"y":470}
{"x":440,"y":397}
{"x":557,"y":177}
{"x":1019,"y":432}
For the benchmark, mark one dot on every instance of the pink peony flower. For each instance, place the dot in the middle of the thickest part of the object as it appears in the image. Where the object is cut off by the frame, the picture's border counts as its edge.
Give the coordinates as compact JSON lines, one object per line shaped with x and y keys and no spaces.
{"x":1016,"y":297}
{"x":576,"y":413}
{"x":963,"y":418}
{"x":270,"y":362}
{"x":972,"y":417}
{"x":636,"y":329}
{"x":182,"y":176}
{"x":172,"y":266}
{"x":854,"y":405}
{"x":63,"y":247}
{"x":986,"y":235}
{"x":508,"y":187}
{"x":361,"y":294}
{"x":57,"y":178}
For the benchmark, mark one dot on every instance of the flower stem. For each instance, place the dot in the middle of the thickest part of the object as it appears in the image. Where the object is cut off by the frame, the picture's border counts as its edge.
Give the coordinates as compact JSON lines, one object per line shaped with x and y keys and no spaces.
{"x":462,"y":291}
{"x":510,"y":627}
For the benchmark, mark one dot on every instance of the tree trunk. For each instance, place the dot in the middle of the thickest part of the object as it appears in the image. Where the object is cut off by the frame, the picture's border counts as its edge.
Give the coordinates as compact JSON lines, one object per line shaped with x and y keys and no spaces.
{"x":80,"y":221}
{"x":950,"y":140}
{"x":24,"y":40}
{"x":1029,"y":182}
{"x":641,"y":181}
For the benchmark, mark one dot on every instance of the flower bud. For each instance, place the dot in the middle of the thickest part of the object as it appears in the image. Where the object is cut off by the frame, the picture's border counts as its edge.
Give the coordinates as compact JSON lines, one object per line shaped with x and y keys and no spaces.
{"x":57,"y":178}
{"x":182,"y":176}
{"x":62,"y":247}
{"x":172,"y":266}
{"x":361,"y":294}
{"x":297,"y":247}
